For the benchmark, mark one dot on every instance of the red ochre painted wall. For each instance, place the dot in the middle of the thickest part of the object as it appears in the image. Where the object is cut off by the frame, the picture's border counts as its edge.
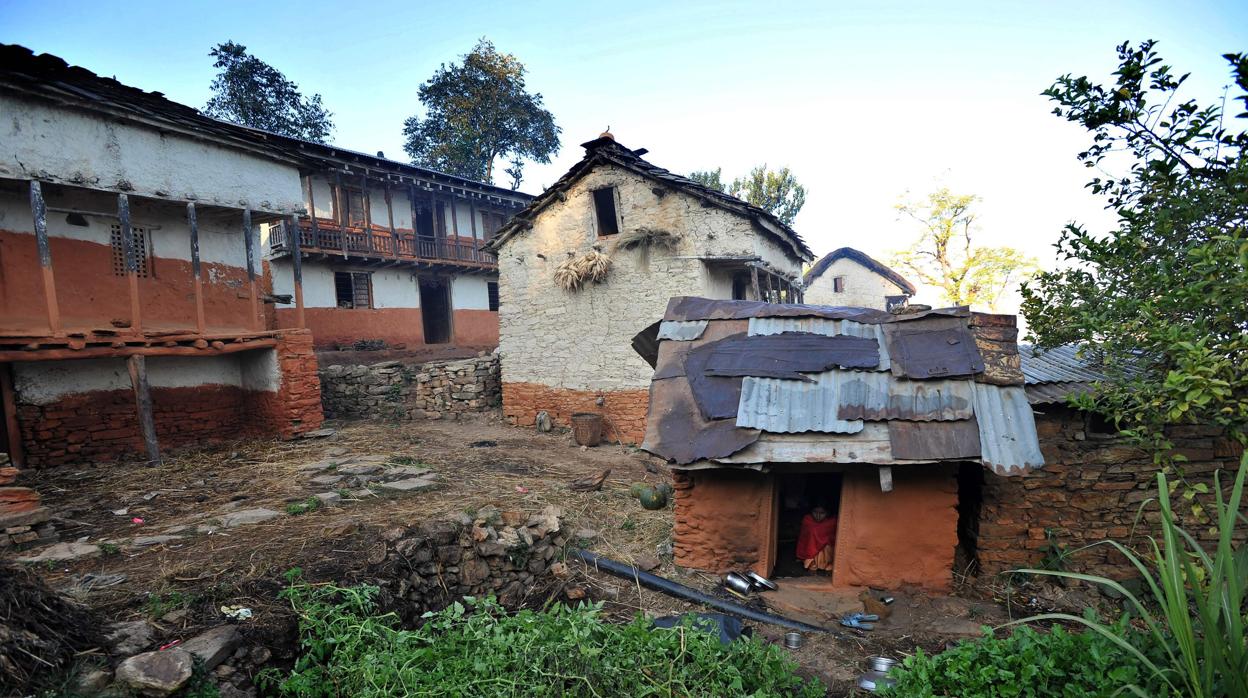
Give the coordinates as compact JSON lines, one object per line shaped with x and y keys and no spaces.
{"x":91,"y":295}
{"x":725,"y":519}
{"x":333,"y":327}
{"x":625,"y":410}
{"x":476,"y":327}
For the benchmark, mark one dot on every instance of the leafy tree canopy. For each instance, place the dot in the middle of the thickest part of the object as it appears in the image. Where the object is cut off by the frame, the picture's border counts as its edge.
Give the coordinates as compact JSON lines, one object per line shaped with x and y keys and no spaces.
{"x":253,"y":93}
{"x":477,"y":111}
{"x":945,"y":257}
{"x":1162,"y":300}
{"x":775,"y":191}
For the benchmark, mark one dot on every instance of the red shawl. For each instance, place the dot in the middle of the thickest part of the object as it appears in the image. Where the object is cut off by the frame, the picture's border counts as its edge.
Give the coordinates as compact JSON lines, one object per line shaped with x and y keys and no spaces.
{"x":815,"y":536}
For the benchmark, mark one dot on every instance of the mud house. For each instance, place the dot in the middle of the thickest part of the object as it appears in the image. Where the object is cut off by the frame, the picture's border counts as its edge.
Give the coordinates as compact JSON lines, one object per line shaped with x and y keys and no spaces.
{"x":131,"y":314}
{"x":392,"y":254}
{"x":768,"y":410}
{"x":656,"y":235}
{"x":848,"y":277}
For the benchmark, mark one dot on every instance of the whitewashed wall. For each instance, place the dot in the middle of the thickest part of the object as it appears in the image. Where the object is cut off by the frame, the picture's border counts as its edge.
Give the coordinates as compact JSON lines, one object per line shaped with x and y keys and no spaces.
{"x":53,"y":143}
{"x":391,"y":288}
{"x":864,"y":288}
{"x":581,"y":340}
{"x":470,"y":292}
{"x":45,"y":382}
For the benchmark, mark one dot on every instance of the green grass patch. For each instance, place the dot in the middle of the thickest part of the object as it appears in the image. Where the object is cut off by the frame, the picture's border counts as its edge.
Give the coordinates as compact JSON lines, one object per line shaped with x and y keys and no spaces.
{"x":476,"y":648}
{"x":308,"y":505}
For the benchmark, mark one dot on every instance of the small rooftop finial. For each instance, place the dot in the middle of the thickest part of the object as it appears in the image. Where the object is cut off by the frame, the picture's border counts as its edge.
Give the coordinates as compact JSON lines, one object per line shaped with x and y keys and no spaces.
{"x":607,"y":134}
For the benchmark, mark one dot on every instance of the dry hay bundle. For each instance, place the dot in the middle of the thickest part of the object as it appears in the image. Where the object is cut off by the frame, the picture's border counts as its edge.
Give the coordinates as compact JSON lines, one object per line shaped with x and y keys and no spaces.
{"x":648,"y":238}
{"x":575,"y":272}
{"x":40,"y":630}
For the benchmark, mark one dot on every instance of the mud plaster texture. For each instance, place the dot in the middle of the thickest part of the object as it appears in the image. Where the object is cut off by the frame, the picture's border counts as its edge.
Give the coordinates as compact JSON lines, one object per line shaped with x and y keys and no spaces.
{"x":623,"y":411}
{"x":580,"y":340}
{"x":1092,"y":488}
{"x":863,"y":288}
{"x":396,"y":391}
{"x":725,"y":520}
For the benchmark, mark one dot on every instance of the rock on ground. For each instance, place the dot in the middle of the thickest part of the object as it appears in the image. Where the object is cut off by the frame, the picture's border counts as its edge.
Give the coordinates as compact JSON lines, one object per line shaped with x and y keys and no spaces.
{"x":129,"y":637}
{"x":64,"y":552}
{"x":247,"y":516}
{"x":156,"y":673}
{"x":414,"y":484}
{"x":213,"y":646}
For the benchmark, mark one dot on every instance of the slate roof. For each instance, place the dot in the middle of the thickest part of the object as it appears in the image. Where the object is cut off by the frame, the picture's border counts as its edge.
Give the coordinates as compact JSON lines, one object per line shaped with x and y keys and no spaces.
{"x":862,"y":258}
{"x":606,"y":151}
{"x":756,"y":385}
{"x":51,"y":78}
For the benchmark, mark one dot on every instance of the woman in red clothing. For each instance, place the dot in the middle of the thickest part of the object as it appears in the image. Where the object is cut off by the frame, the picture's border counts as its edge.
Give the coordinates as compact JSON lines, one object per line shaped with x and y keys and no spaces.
{"x":816,"y":538}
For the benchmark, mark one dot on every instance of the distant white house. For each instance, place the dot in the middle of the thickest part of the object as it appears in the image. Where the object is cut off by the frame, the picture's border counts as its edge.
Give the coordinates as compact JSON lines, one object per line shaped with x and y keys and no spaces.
{"x":849,"y":277}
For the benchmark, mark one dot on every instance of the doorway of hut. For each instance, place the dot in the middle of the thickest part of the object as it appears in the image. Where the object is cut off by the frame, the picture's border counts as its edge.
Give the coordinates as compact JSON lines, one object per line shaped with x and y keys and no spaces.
{"x":799,"y":495}
{"x":435,"y":309}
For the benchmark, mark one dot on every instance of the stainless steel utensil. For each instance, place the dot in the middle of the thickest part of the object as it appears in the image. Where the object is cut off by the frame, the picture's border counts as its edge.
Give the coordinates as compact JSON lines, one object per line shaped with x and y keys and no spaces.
{"x":761,"y":581}
{"x":793,"y":640}
{"x":738,"y":583}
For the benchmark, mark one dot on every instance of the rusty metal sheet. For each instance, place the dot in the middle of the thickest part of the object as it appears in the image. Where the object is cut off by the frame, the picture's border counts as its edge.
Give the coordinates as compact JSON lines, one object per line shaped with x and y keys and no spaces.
{"x":676,"y":431}
{"x":788,"y":406}
{"x":1051,"y":393}
{"x":934,"y":440}
{"x":646,"y":344}
{"x":716,"y":396}
{"x":672,"y":354}
{"x":934,"y":347}
{"x":684,"y":308}
{"x":1007,"y":429}
{"x":789,"y":355}
{"x":824,"y":326}
{"x":882,"y":396}
{"x":682,"y":331}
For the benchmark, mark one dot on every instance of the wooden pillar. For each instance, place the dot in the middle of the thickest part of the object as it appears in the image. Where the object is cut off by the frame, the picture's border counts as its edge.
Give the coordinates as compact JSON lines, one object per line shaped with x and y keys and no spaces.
{"x":368,"y":212}
{"x":132,"y":262}
{"x":296,"y":258}
{"x":394,"y":234}
{"x":344,"y":212}
{"x":137,"y":363}
{"x":316,"y":236}
{"x":196,"y":274}
{"x":249,"y":245}
{"x":39,"y":211}
{"x":758,"y":294}
{"x":472,"y":218}
{"x":8,"y":409}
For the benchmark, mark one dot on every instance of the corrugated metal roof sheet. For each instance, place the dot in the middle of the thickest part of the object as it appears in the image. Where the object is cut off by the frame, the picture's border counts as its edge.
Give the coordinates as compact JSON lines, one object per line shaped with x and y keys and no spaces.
{"x":1057,"y":365}
{"x":788,"y":406}
{"x":682,"y":331}
{"x":881,"y":396}
{"x":824,"y":326}
{"x":1007,"y":429}
{"x":1050,"y":393}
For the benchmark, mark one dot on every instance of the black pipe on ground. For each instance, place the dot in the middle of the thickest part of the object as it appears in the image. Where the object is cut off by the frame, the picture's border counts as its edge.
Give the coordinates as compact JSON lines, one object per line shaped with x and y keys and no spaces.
{"x":690,"y":594}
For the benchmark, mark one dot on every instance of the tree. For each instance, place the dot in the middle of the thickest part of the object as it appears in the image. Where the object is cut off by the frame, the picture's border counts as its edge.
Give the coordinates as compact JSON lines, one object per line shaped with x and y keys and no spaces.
{"x":945,"y":256}
{"x":1162,"y":301}
{"x":777,"y":192}
{"x":477,"y":111}
{"x":253,"y":93}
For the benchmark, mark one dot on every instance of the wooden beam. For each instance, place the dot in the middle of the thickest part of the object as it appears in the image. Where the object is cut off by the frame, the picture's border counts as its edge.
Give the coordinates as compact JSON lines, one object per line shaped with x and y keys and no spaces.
{"x":8,"y":408}
{"x":344,"y":209}
{"x":758,"y":294}
{"x":249,"y":246}
{"x":132,"y":262}
{"x":125,"y":352}
{"x":39,"y":211}
{"x":454,"y":219}
{"x":196,"y":274}
{"x":297,"y":263}
{"x":368,"y":211}
{"x":394,"y":234}
{"x":316,"y":237}
{"x":143,"y":401}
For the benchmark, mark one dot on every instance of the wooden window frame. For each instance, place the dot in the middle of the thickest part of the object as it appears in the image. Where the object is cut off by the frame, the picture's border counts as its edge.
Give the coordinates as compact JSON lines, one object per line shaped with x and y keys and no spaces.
{"x":615,"y":211}
{"x":142,"y":249}
{"x":354,"y":279}
{"x":838,"y":284}
{"x":491,"y":292}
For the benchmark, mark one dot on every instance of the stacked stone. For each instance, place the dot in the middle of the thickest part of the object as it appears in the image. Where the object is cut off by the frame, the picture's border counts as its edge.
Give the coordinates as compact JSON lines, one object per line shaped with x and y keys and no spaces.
{"x":392,"y":390}
{"x":295,"y":407}
{"x":1091,"y":489}
{"x":503,"y":554}
{"x":23,"y":518}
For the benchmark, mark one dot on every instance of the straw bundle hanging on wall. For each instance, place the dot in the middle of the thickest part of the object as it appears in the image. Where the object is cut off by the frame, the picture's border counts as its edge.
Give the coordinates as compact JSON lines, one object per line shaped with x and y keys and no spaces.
{"x":575,"y":272}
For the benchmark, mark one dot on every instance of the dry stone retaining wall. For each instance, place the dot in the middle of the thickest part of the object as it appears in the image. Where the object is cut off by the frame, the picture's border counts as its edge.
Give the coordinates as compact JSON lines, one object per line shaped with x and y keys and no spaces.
{"x":394,"y":390}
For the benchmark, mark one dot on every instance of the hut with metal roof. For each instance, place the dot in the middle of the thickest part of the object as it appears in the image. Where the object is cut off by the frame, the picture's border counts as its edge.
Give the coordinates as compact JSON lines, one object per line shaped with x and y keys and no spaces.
{"x":766,"y":410}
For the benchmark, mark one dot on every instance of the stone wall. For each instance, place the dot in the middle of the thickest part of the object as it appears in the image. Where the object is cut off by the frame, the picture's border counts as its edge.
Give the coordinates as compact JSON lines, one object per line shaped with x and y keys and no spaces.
{"x":394,"y":390}
{"x":624,"y":410}
{"x":502,"y":554}
{"x":1091,"y":489}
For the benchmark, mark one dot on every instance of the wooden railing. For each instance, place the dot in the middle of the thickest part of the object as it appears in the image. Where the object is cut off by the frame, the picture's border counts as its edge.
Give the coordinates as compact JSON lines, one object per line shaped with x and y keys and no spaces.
{"x":380,"y":244}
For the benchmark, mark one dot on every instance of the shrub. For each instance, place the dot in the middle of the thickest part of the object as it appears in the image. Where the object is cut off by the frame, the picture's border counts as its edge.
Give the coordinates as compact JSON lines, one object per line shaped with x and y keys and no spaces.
{"x":478,"y":649}
{"x":1026,"y":663}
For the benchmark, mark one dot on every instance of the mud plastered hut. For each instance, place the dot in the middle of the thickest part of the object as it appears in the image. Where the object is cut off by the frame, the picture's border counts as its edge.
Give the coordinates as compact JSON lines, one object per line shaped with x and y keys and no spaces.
{"x":766,"y":410}
{"x":848,"y":277}
{"x":658,"y":235}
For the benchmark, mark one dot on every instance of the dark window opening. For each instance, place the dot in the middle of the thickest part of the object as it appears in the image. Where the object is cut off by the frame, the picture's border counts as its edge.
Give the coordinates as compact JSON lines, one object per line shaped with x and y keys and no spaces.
{"x":799,"y":494}
{"x":604,"y":205}
{"x":142,"y":250}
{"x":970,"y":502}
{"x":354,"y":289}
{"x":740,"y":287}
{"x":435,"y":309}
{"x":354,"y":201}
{"x":1099,"y":425}
{"x":424,"y":222}
{"x":491,"y":288}
{"x":838,"y":284}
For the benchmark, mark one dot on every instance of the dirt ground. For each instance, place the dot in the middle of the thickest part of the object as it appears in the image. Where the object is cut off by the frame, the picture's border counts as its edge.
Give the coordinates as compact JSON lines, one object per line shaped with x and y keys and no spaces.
{"x":195,"y":567}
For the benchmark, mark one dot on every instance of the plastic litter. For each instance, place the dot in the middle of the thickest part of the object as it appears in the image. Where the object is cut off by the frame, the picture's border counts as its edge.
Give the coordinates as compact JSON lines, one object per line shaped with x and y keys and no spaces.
{"x":859,"y":621}
{"x":236,"y":612}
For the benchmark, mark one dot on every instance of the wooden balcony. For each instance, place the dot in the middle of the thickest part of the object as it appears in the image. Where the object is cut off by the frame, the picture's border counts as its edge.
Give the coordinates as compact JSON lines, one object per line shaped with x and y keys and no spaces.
{"x":379,"y":245}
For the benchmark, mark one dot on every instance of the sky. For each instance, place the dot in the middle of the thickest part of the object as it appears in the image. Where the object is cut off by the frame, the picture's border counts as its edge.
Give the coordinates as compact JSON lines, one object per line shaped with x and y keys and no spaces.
{"x":867,"y":102}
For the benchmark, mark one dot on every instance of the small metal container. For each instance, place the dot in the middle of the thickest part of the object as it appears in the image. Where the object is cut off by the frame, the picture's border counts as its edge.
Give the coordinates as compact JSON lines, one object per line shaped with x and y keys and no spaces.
{"x":761,"y":581}
{"x":793,"y":640}
{"x":873,"y":681}
{"x":738,"y":583}
{"x":881,"y":664}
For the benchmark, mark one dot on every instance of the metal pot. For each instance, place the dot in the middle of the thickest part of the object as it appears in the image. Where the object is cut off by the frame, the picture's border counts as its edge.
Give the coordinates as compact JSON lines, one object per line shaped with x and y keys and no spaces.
{"x":873,"y":681}
{"x":761,"y":581}
{"x":881,"y":664}
{"x":793,"y":640}
{"x":737,"y":583}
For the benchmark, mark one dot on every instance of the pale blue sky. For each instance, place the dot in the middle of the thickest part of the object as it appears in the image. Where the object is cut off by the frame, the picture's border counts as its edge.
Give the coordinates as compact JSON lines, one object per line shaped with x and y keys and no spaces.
{"x":865,"y":101}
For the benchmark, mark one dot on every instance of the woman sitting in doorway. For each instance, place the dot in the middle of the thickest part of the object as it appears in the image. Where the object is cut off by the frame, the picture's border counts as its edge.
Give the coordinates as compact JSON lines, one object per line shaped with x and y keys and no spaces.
{"x":816,"y":538}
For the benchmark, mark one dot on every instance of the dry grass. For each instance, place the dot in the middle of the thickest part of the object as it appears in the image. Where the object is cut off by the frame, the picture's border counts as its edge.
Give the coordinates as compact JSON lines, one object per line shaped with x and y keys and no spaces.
{"x":575,"y":272}
{"x":653,"y":238}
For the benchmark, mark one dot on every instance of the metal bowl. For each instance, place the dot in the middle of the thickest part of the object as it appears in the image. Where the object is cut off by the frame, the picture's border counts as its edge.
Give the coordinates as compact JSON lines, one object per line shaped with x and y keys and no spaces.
{"x":873,"y":681}
{"x":738,"y":583}
{"x":881,"y":664}
{"x":761,"y":581}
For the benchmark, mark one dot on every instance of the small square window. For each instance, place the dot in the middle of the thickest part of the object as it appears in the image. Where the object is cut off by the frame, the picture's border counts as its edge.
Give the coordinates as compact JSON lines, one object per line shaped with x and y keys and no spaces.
{"x":838,"y":284}
{"x":604,"y":206}
{"x":142,"y":251}
{"x":491,"y":288}
{"x":353,"y":289}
